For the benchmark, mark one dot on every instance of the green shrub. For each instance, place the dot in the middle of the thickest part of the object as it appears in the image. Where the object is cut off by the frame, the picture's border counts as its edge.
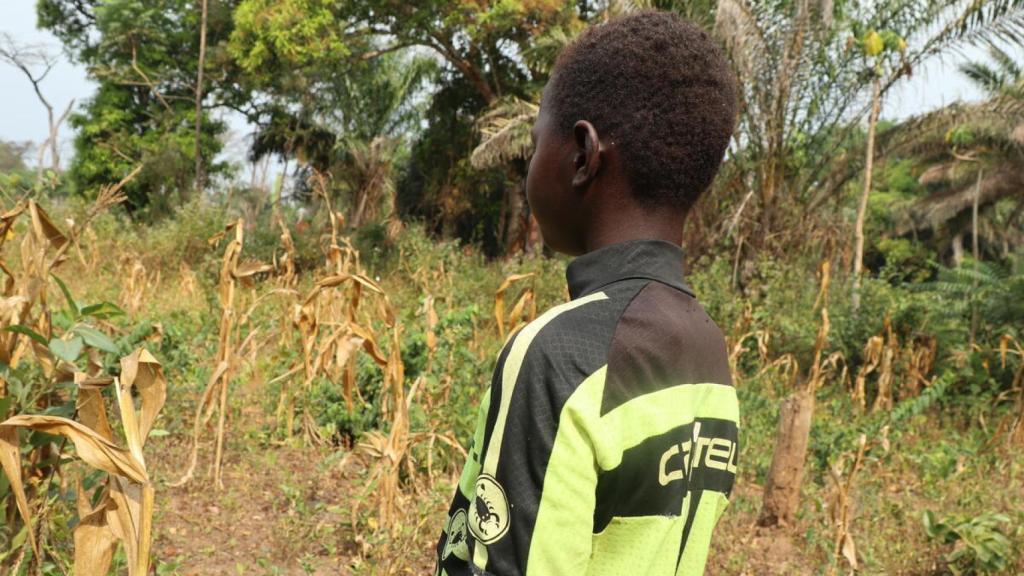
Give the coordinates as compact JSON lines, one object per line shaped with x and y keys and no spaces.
{"x":980,"y":543}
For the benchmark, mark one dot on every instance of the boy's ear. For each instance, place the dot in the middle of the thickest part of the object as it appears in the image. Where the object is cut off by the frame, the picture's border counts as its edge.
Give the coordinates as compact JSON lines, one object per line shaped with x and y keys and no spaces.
{"x":587,"y":159}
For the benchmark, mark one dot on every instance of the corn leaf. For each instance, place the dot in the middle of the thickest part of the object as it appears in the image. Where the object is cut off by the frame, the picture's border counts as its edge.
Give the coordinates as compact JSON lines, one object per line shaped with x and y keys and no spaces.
{"x":95,"y":338}
{"x":67,"y":350}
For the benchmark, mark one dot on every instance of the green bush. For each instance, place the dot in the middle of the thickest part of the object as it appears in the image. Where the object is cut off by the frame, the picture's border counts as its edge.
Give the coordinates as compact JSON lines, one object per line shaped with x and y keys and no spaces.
{"x":980,"y":543}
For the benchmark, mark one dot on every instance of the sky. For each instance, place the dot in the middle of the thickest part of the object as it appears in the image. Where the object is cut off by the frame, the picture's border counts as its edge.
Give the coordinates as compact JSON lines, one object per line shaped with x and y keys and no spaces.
{"x":23,"y":118}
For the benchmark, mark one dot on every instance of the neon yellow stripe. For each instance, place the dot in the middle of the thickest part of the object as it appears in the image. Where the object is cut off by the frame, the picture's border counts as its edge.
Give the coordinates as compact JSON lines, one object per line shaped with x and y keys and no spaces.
{"x":658,"y":412}
{"x":513,"y":363}
{"x":472,"y":468}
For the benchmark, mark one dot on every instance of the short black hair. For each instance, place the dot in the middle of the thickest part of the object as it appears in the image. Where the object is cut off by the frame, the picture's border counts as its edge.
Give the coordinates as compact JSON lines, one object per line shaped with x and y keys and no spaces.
{"x":661,"y":88}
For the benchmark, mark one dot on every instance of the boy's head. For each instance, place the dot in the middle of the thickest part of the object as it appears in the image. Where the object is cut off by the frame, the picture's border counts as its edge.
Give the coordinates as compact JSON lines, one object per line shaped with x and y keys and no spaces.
{"x":633,"y":125}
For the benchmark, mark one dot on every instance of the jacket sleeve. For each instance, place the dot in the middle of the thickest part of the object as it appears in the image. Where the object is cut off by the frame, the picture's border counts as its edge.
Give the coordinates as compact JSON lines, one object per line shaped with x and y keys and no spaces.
{"x":531,"y":508}
{"x":453,"y":549}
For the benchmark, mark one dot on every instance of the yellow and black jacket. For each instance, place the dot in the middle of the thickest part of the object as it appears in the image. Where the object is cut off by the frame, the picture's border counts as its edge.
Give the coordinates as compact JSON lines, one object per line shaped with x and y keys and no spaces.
{"x":607,"y":443}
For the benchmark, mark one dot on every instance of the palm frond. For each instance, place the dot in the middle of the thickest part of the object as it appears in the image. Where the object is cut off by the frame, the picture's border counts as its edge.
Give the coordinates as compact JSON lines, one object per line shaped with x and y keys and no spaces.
{"x":1007,"y":63}
{"x":984,"y":76}
{"x":505,"y":133}
{"x":981,"y":23}
{"x":937,"y":209}
{"x":541,"y":55}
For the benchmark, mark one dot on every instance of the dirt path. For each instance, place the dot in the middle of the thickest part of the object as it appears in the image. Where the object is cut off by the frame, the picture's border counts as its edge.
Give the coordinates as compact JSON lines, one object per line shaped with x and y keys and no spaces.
{"x":283,"y":510}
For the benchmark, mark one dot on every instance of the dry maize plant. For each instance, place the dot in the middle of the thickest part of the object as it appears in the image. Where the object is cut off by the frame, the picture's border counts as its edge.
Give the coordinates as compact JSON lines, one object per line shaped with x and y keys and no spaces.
{"x":1010,"y":346}
{"x":286,"y":265}
{"x":136,"y":282}
{"x":330,"y":333}
{"x":215,"y":396}
{"x":842,"y":503}
{"x":326,"y":323}
{"x":842,"y":506}
{"x":525,"y":308}
{"x":125,"y":510}
{"x":330,"y":337}
{"x":188,"y":284}
{"x":27,"y":329}
{"x":884,"y":355}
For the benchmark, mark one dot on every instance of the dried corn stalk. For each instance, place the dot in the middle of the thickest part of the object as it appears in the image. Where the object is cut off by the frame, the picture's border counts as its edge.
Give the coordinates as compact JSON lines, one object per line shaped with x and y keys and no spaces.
{"x":135,"y":283}
{"x":286,"y":266}
{"x":125,"y":511}
{"x":188,"y":284}
{"x":214,"y":398}
{"x":738,"y":348}
{"x":919,"y":363}
{"x":430,"y":320}
{"x":890,"y":354}
{"x":526,"y":302}
{"x":843,"y":544}
{"x":330,"y":352}
{"x":390,"y":451}
{"x":1016,"y":430}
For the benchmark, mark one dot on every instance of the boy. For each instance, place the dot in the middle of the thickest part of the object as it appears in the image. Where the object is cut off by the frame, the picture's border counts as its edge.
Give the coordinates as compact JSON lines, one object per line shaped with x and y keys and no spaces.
{"x":607,"y":443}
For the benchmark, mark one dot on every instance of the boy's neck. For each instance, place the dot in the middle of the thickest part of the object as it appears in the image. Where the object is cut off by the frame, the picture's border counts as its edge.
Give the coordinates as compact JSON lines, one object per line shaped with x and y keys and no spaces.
{"x":637,"y":224}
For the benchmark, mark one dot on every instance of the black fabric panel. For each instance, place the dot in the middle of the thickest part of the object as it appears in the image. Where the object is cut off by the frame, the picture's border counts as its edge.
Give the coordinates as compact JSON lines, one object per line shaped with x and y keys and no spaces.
{"x":568,"y":349}
{"x":691,"y":515}
{"x":634,"y":487}
{"x":663,"y":338}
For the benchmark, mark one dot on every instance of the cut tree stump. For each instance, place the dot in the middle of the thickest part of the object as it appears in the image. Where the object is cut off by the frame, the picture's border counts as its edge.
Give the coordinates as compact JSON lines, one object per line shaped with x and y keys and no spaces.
{"x":782,"y":488}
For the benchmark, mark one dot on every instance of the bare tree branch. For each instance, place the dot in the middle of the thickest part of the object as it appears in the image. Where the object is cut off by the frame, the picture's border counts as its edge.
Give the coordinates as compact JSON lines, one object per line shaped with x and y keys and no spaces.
{"x":26,"y":58}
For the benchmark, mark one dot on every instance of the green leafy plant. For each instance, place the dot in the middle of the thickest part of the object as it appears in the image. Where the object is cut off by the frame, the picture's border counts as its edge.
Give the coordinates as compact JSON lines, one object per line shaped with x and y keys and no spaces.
{"x":980,"y":544}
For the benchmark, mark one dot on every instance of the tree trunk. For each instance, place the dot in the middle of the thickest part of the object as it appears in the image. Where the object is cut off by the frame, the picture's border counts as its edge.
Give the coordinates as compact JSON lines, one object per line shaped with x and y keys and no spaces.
{"x":782,"y":489}
{"x":869,"y":161}
{"x":974,"y":251}
{"x":958,"y":249}
{"x":974,"y":215}
{"x":200,"y":177}
{"x":514,"y":220}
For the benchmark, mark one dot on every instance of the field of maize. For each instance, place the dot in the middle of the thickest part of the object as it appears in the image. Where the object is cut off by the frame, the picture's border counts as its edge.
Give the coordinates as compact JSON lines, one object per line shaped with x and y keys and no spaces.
{"x":211,"y":396}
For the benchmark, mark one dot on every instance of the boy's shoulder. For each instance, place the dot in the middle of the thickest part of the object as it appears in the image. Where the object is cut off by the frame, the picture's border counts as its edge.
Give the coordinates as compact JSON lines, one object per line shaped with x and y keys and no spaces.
{"x":641,"y":330}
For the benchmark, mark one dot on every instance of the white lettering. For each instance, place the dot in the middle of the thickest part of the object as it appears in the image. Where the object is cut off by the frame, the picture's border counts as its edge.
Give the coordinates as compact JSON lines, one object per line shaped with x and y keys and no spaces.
{"x":718,"y":454}
{"x":665,"y":477}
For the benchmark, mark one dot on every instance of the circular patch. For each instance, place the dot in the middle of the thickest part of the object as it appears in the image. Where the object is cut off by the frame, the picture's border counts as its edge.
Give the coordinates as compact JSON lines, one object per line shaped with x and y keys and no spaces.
{"x":488,"y":514}
{"x":457,"y":534}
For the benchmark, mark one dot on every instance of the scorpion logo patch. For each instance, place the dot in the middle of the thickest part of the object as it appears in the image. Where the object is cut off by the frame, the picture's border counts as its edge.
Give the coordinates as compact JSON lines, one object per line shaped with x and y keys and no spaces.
{"x":456,"y":543}
{"x":489,"y":514}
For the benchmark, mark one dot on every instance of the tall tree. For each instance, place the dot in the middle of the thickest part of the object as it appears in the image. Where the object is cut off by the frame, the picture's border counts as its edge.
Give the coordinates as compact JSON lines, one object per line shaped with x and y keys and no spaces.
{"x":480,"y":46}
{"x":145,"y":56}
{"x":972,"y":158}
{"x":200,"y":65}
{"x":12,"y":155}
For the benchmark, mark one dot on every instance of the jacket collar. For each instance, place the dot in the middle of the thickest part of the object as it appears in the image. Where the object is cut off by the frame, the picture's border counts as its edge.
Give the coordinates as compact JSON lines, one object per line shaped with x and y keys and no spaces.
{"x":636,"y":259}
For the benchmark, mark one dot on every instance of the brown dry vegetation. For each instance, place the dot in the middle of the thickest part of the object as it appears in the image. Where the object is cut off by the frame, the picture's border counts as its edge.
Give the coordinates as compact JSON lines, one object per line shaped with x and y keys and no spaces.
{"x":304,"y":493}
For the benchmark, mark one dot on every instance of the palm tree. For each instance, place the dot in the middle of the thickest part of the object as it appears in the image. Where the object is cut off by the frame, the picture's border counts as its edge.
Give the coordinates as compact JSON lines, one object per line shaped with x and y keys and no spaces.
{"x":805,"y":90}
{"x":974,"y":155}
